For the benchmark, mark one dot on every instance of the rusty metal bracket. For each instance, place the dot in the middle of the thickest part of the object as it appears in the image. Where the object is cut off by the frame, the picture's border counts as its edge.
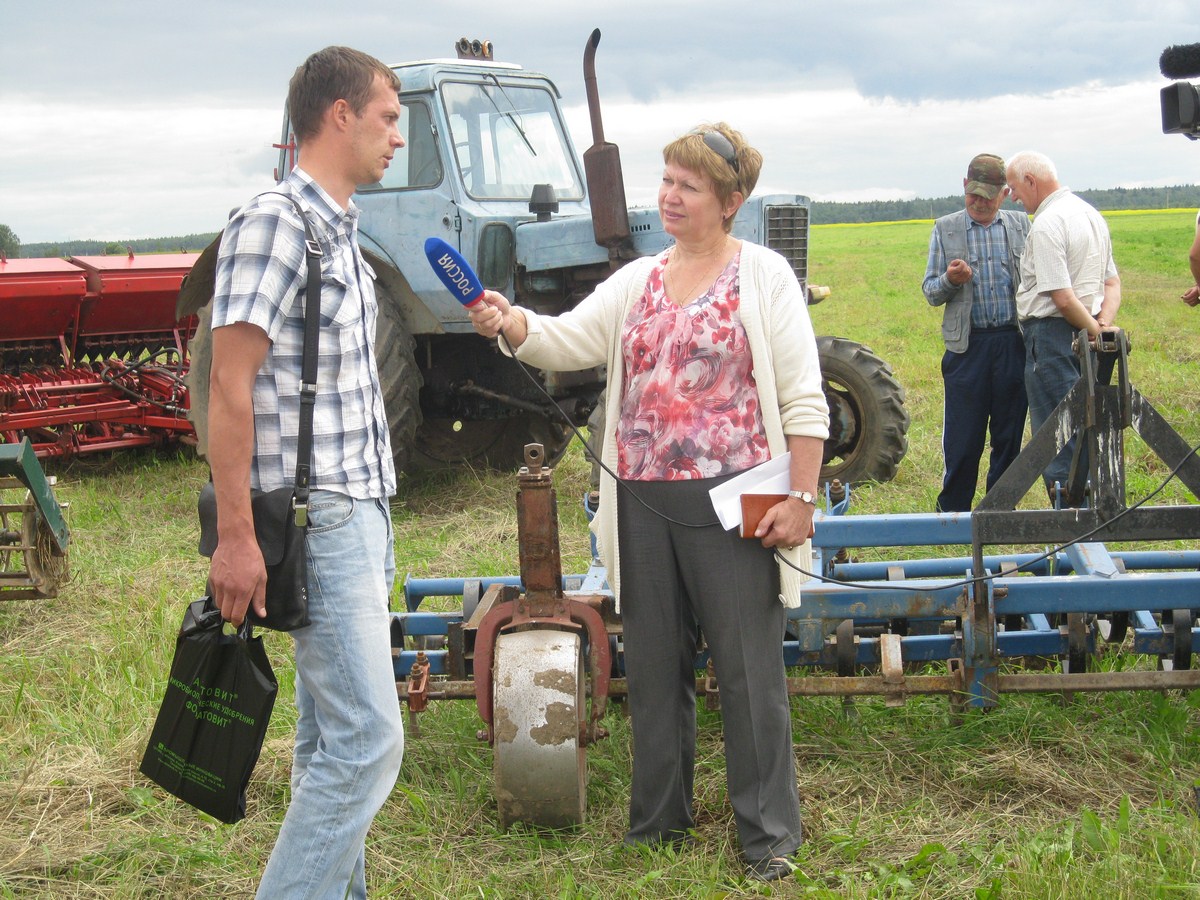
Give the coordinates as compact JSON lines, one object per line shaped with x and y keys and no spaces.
{"x":417,"y":694}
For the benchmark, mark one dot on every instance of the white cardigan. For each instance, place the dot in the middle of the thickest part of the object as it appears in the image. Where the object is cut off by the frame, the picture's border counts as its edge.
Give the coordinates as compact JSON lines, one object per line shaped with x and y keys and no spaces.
{"x":774,"y":313}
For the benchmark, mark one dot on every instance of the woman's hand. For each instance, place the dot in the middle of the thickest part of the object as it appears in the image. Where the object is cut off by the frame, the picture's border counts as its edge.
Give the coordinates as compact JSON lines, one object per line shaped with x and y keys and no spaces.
{"x":495,"y":316}
{"x":788,"y":524}
{"x":491,"y":316}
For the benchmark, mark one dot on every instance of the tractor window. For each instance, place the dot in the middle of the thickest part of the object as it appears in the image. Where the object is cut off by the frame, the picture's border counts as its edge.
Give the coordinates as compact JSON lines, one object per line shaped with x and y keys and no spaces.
{"x":416,"y":164}
{"x":507,"y":138}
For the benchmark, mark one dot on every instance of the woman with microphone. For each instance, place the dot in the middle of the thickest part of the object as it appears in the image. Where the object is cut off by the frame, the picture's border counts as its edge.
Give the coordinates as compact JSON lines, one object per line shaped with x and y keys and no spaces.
{"x":712,"y":369}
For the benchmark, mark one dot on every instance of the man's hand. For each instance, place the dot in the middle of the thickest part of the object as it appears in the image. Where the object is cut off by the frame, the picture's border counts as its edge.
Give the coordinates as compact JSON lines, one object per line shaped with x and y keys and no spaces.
{"x":958,"y":272}
{"x":1192,"y":295}
{"x":238,"y":578}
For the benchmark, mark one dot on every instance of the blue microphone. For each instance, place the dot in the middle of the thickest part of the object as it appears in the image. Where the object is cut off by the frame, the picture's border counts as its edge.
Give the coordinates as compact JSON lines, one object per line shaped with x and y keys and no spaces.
{"x":455,"y":273}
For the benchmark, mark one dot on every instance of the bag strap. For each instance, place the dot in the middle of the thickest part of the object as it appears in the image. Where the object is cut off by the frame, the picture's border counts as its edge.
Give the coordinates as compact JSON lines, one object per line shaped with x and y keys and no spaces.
{"x":308,"y":369}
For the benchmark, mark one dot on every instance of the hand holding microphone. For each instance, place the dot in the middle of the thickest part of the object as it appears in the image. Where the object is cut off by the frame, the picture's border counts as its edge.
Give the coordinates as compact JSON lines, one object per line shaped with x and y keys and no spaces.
{"x":490,"y":312}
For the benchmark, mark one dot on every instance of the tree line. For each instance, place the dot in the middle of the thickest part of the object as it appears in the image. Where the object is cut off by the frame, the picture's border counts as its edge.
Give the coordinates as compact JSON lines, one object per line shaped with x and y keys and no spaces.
{"x":188,"y":243}
{"x":1185,"y":196}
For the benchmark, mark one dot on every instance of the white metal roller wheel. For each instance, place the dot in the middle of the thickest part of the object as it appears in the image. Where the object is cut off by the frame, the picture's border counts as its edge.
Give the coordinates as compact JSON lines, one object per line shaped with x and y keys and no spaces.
{"x":539,"y":701}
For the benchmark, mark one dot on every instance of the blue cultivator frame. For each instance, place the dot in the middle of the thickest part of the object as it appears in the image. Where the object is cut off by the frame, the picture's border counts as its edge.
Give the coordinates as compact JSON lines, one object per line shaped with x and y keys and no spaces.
{"x":1061,"y":596}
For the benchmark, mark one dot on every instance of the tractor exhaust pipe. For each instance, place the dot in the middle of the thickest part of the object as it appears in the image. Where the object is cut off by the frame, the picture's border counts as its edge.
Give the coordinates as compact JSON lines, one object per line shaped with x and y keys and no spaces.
{"x":602,"y":168}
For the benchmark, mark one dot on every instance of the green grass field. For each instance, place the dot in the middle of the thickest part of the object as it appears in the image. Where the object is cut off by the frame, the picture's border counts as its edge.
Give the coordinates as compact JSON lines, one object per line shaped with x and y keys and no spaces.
{"x":1091,"y":799}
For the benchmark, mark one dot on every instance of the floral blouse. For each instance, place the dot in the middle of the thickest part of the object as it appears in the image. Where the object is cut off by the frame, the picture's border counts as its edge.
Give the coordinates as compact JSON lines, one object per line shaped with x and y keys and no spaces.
{"x":690,"y":406}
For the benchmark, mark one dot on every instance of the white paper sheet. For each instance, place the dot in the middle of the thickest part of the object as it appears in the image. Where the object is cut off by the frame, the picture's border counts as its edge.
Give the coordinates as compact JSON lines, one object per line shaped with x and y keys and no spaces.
{"x":772,"y":477}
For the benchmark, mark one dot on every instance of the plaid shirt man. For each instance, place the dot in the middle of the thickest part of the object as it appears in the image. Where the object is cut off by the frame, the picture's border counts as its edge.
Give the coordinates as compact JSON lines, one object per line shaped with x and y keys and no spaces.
{"x":260,"y":279}
{"x":988,"y":254}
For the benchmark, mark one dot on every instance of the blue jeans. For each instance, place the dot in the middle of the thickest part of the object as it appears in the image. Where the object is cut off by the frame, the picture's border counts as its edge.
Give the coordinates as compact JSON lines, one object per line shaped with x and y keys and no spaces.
{"x":1051,"y":370}
{"x":350,"y":734}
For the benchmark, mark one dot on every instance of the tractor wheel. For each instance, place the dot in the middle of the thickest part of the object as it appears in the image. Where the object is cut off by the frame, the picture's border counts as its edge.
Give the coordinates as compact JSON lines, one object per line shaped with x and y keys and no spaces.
{"x":399,"y":378}
{"x":868,"y":423}
{"x":494,"y":443}
{"x":420,"y":443}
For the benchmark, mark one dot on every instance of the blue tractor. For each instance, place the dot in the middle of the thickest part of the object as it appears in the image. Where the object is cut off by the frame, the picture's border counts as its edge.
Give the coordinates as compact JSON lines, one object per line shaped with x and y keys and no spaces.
{"x":489,"y":167}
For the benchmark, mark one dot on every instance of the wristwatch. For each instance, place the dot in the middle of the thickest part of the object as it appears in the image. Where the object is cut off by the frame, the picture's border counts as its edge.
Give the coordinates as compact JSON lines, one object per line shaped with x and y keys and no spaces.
{"x":804,"y":497}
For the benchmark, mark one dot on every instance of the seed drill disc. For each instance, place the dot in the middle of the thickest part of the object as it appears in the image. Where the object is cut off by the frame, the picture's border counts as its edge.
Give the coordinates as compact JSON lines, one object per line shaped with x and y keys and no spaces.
{"x":540,"y":768}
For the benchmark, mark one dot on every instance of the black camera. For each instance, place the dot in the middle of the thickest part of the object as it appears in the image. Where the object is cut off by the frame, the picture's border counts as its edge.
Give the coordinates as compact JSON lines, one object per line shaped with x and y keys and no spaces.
{"x":1181,"y":109}
{"x":1181,"y":100}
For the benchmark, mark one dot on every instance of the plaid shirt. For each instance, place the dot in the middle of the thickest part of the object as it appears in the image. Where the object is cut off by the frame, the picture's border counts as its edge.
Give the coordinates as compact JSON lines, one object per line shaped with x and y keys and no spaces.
{"x":987,"y":247}
{"x":261,"y":274}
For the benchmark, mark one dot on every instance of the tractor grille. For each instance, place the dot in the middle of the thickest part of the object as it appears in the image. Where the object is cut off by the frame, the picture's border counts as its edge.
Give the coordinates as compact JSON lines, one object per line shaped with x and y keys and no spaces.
{"x":787,"y":233}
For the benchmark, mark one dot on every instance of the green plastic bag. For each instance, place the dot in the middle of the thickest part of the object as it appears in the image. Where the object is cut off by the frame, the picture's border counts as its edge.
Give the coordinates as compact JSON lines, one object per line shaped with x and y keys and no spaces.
{"x":214,"y":714}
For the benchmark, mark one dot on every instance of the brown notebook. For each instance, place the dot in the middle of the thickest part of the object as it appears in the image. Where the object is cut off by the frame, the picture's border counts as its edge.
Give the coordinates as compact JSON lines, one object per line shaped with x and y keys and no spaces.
{"x":753,"y":507}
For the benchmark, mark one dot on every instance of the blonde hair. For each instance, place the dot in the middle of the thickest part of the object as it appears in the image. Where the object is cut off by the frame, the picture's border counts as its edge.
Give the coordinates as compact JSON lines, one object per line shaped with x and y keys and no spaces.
{"x":691,"y":152}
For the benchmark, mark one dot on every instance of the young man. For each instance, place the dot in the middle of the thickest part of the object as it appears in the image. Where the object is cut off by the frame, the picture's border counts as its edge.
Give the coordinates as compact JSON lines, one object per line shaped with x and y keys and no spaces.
{"x":344,"y":112}
{"x":1069,"y":283}
{"x":973,"y":271}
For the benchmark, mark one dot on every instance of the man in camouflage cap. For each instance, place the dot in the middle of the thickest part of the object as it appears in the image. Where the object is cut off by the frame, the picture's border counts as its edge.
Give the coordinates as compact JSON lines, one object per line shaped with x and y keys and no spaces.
{"x":973,"y":272}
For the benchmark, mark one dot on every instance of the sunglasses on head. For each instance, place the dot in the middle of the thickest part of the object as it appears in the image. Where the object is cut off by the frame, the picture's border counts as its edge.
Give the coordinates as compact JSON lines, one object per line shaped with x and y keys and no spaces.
{"x":720,"y":145}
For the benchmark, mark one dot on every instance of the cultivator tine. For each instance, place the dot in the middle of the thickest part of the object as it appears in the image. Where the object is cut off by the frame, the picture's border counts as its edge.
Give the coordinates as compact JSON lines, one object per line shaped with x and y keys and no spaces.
{"x":892,"y":665}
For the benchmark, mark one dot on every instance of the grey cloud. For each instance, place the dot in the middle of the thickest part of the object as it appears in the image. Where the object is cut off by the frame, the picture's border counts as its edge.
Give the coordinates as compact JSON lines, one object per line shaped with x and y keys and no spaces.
{"x":938,"y":78}
{"x":939,"y":49}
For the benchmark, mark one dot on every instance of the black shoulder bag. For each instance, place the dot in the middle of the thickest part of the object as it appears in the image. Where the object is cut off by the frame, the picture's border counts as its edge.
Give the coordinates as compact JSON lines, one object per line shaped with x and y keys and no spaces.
{"x":281,"y":516}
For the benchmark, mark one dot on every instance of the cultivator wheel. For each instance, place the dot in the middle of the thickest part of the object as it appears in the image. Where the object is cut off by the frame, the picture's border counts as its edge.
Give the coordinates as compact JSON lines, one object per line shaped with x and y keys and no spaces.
{"x":29,"y":566}
{"x":1114,"y":627}
{"x":539,"y":764}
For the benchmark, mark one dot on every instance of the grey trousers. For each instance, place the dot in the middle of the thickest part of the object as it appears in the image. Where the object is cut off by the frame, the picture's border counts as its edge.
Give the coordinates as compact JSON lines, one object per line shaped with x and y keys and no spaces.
{"x":676,"y":583}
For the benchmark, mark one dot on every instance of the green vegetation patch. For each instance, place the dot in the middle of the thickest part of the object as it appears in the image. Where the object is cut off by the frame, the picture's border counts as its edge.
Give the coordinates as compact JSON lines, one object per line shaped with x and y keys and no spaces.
{"x":1040,"y":798}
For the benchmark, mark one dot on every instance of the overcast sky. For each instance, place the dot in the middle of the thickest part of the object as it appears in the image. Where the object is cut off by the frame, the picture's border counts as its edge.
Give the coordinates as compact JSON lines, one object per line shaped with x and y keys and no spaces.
{"x":135,"y":119}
